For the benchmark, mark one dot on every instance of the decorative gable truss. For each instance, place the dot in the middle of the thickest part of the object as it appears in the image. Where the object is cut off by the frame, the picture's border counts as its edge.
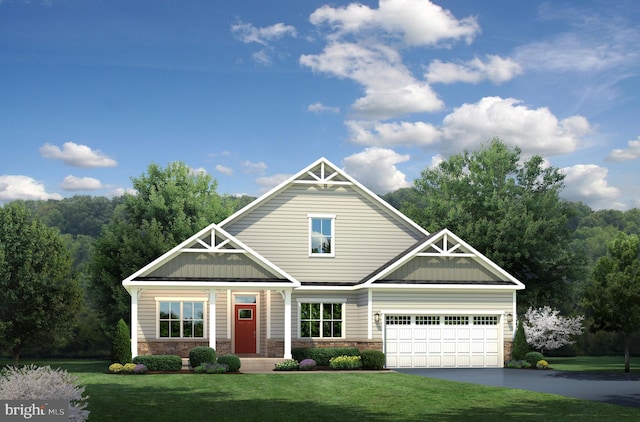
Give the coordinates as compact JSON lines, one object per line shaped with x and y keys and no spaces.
{"x":211,"y":258}
{"x":442,"y":260}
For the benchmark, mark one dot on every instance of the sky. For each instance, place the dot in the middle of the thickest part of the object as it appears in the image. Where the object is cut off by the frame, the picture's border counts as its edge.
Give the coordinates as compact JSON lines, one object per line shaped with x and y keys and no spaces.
{"x":94,"y":91}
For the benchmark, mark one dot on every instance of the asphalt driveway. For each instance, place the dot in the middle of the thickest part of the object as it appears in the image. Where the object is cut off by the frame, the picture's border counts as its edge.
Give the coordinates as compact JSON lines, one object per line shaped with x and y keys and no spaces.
{"x":620,"y":389}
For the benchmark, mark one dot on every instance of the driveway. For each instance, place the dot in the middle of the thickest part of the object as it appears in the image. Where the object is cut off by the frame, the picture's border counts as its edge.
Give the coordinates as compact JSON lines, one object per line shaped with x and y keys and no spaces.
{"x":620,"y":389}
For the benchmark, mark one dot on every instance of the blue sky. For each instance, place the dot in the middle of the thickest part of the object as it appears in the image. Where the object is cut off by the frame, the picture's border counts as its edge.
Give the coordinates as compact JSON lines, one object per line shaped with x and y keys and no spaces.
{"x":92,"y":92}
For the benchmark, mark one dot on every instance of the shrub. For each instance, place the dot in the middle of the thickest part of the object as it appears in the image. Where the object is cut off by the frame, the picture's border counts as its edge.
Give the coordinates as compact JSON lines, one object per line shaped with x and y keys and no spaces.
{"x":232,"y":362}
{"x":533,"y":358}
{"x":520,"y":346}
{"x":160,"y":362}
{"x":542,"y":364}
{"x":322,"y":355}
{"x":345,"y":362}
{"x":201,"y":354}
{"x":372,"y":359}
{"x":140,"y":369}
{"x":115,"y":368}
{"x":129,"y":368}
{"x":44,"y":383}
{"x":518,"y":364}
{"x":121,"y":344}
{"x":307,"y":365}
{"x":211,"y":368}
{"x":287,"y":365}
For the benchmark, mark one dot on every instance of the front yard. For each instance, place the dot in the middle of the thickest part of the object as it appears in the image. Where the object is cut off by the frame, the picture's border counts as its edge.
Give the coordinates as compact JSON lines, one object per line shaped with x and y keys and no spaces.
{"x":304,"y":396}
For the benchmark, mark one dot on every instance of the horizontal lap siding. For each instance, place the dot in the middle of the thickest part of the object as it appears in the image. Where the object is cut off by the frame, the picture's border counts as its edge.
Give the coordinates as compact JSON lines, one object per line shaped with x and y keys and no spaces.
{"x":366,"y":236}
{"x":451,"y":300}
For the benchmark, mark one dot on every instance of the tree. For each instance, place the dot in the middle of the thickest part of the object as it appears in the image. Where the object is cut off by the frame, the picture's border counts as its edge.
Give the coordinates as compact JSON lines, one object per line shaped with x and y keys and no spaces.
{"x":520,"y":346}
{"x":170,"y":205}
{"x":121,"y":345}
{"x":39,"y":295}
{"x":546,"y":329}
{"x":508,"y":210}
{"x":613,"y":297}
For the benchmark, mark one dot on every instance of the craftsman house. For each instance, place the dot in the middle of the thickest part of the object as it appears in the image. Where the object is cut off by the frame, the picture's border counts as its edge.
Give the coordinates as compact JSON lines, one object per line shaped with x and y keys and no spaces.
{"x":321,"y":261}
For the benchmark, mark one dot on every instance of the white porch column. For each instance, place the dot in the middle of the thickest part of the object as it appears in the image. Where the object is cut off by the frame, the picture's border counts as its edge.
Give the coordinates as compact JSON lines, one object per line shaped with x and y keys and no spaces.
{"x":212,"y":318}
{"x":287,"y":324}
{"x":134,"y":321}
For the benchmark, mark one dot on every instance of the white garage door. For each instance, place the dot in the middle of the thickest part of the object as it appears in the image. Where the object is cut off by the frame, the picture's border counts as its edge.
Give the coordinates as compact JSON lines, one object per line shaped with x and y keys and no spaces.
{"x":442,"y":341}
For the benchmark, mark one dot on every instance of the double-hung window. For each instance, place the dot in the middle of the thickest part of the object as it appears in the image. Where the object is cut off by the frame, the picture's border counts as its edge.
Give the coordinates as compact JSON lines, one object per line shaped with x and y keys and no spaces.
{"x":321,"y":319}
{"x":322,"y":235}
{"x":181,"y":318}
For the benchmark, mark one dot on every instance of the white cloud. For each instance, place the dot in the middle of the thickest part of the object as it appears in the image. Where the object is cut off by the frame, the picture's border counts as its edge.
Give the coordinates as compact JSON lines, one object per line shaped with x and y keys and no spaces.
{"x":496,"y":69}
{"x":391,"y":90}
{"x":228,"y":171}
{"x":254,"y":168}
{"x":321,"y":108}
{"x":632,"y":152}
{"x":376,"y":169}
{"x":414,"y":22}
{"x":535,"y":131}
{"x":587,"y":183}
{"x":248,"y":33}
{"x":74,"y":183}
{"x":392,"y":134}
{"x":77,"y":155}
{"x":23,"y":187}
{"x":269,"y":182}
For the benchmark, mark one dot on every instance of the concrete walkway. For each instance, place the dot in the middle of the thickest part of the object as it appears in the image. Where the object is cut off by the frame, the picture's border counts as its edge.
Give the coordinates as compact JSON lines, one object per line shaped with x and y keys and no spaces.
{"x":621,"y":389}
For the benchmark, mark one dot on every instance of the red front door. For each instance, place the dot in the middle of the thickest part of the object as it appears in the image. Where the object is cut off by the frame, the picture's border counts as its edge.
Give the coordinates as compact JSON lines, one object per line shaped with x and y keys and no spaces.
{"x":245,"y":328}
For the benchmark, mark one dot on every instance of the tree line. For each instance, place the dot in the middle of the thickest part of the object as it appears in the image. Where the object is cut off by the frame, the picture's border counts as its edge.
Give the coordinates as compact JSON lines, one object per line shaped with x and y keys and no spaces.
{"x":507,"y":208}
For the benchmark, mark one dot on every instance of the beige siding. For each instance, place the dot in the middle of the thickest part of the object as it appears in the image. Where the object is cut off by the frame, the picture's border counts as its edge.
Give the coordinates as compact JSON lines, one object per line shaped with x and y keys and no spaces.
{"x":366,"y":235}
{"x":443,"y":269}
{"x":450,"y":300}
{"x":219,"y":265}
{"x":277,"y":316}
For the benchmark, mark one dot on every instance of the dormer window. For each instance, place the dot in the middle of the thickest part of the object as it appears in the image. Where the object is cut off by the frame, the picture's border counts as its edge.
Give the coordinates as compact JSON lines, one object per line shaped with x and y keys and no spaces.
{"x":322,"y":235}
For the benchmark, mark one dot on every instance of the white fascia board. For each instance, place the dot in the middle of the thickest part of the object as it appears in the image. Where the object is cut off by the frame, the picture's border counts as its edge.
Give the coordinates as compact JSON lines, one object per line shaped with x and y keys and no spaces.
{"x":444,"y":287}
{"x":327,"y":288}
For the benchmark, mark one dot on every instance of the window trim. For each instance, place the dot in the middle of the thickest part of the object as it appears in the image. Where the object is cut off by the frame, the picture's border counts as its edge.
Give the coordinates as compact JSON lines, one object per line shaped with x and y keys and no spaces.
{"x":310,"y":218}
{"x":322,"y":301}
{"x":181,"y":300}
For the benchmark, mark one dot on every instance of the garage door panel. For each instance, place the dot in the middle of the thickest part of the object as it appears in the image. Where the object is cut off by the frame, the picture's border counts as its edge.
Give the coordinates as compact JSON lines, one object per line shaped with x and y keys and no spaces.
{"x":463,"y":333}
{"x":419,"y":334}
{"x":463,"y":347}
{"x":420,"y":347}
{"x":433,"y":347}
{"x":435,"y":333}
{"x":405,"y":333}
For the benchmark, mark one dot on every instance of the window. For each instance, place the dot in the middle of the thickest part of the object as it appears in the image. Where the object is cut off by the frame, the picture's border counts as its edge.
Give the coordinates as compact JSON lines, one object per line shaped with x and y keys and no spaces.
{"x":180,"y":319}
{"x":321,"y":320}
{"x":427,"y":320}
{"x":398,"y":320}
{"x":456,"y":320}
{"x":321,"y":235}
{"x":485,"y":320}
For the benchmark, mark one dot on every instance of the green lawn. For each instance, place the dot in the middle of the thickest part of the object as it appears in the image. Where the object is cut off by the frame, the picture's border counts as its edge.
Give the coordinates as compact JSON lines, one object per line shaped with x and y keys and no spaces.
{"x":340,"y":396}
{"x":594,"y":364}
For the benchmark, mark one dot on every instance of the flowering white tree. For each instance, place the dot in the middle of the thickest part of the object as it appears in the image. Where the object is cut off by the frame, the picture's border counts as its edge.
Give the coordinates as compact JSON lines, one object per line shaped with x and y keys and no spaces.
{"x":546,"y":329}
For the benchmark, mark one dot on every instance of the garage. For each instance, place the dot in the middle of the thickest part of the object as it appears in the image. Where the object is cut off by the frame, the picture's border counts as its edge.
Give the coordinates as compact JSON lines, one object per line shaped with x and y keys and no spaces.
{"x":443,"y":341}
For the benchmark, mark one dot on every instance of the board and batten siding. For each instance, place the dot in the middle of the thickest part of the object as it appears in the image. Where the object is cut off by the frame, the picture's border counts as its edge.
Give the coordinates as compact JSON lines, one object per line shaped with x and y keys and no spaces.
{"x":366,"y":235}
{"x":211,"y":265}
{"x":147,"y":311}
{"x":439,"y":301}
{"x":443,"y":269}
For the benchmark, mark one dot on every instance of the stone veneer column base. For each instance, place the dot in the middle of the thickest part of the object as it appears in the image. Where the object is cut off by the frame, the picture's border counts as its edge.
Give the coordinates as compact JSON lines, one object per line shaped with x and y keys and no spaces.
{"x":180,"y":347}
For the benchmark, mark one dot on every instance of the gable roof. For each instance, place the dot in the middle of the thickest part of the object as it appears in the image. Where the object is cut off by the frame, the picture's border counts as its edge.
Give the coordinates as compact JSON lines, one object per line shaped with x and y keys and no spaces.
{"x":211,"y":240}
{"x":442,"y":244}
{"x":324,"y":172}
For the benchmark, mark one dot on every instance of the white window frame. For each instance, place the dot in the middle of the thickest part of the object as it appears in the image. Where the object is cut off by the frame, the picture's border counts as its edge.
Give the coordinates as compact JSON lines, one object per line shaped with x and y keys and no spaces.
{"x":182,"y":300}
{"x":332,"y":217}
{"x":322,"y":301}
